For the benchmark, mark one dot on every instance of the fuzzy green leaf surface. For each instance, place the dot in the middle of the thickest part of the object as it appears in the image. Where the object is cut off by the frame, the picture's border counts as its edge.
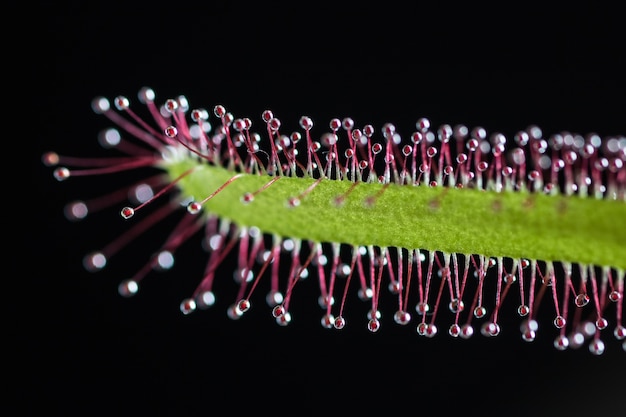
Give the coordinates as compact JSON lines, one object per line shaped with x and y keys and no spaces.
{"x":517,"y":225}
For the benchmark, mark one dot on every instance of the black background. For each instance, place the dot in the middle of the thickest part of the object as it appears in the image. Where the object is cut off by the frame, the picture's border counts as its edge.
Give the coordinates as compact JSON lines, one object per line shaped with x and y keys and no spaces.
{"x":83,"y":350}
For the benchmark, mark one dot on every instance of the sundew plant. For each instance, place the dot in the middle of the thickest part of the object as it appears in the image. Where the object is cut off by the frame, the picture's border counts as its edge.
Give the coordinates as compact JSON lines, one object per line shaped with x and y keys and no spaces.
{"x":363,"y":209}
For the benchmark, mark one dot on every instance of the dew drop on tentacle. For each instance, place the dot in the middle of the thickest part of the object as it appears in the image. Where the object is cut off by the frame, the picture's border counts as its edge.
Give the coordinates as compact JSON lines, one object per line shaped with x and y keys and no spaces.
{"x":559,"y":322}
{"x":601,"y":323}
{"x":327,"y":321}
{"x":146,"y":95}
{"x":615,"y":296}
{"x":523,"y":310}
{"x":480,"y":312}
{"x":528,"y":328}
{"x":219,"y":111}
{"x":274,"y":124}
{"x":194,"y":207}
{"x":325,"y":302}
{"x":456,"y":305}
{"x":371,"y":314}
{"x":99,"y":105}
{"x":431,"y":330}
{"x":267,"y":115}
{"x":171,"y":131}
{"x":121,"y":103}
{"x":243,"y":305}
{"x":596,"y":347}
{"x":402,"y":317}
{"x":466,"y":331}
{"x":127,"y":212}
{"x":293,"y":202}
{"x":530,"y":324}
{"x":247,"y":198}
{"x":528,"y":335}
{"x":365,"y":294}
{"x":243,"y":275}
{"x":233,"y":312}
{"x":188,"y":306}
{"x":422,"y":308}
{"x":205,"y":299}
{"x":423,"y":124}
{"x":278,"y":311}
{"x":561,"y":342}
{"x":94,"y":261}
{"x":164,"y":260}
{"x":334,"y":124}
{"x":490,"y":329}
{"x":339,"y":322}
{"x":373,"y":325}
{"x":284,"y":319}
{"x":76,"y":210}
{"x":61,"y":173}
{"x":199,"y":115}
{"x":274,"y":298}
{"x":394,"y":287}
{"x":368,"y":131}
{"x":305,"y":122}
{"x":50,"y":159}
{"x":128,"y":288}
{"x":588,"y":328}
{"x":581,"y":300}
{"x":141,"y":193}
{"x":170,"y":105}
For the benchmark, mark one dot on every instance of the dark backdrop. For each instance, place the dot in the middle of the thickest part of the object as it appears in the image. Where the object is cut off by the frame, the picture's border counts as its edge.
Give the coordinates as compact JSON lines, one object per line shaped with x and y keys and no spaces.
{"x":83,"y":350}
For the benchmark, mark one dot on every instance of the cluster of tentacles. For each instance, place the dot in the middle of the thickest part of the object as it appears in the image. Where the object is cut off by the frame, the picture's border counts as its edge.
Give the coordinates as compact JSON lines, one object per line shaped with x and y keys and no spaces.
{"x":434,"y":289}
